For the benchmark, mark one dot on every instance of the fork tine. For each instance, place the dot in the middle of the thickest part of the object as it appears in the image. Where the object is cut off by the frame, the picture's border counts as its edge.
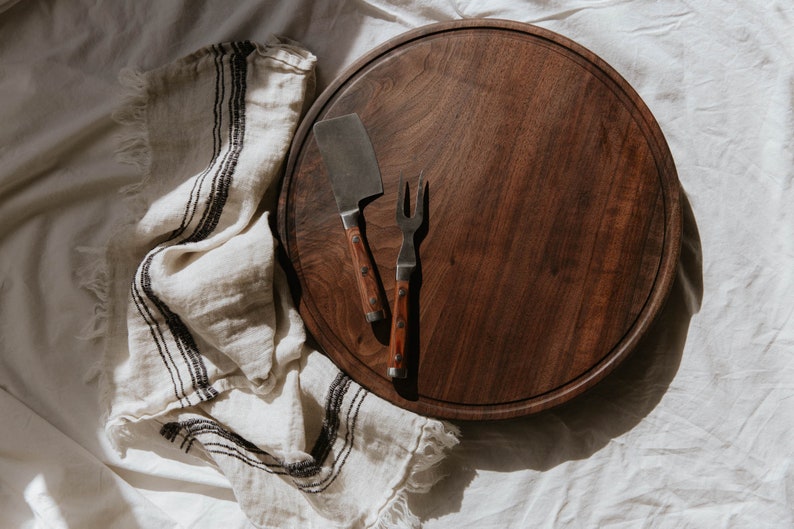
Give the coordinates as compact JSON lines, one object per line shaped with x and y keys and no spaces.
{"x":401,"y":199}
{"x":420,"y":196}
{"x":405,"y":219}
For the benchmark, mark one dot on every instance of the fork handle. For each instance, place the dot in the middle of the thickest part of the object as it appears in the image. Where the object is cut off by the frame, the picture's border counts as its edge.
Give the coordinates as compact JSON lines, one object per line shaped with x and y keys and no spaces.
{"x":366,"y":279}
{"x":399,"y":331}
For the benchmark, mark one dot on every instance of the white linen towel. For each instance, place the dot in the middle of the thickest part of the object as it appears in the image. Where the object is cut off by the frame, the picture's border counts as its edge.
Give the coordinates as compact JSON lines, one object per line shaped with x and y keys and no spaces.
{"x":206,"y":351}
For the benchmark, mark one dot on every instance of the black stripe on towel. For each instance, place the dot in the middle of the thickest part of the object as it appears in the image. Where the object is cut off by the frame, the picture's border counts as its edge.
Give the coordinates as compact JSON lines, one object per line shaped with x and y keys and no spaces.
{"x":153,"y":310}
{"x":309,"y":475}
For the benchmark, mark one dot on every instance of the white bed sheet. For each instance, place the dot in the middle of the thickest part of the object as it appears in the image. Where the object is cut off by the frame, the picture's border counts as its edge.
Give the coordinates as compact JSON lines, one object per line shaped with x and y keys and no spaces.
{"x":694,"y":430}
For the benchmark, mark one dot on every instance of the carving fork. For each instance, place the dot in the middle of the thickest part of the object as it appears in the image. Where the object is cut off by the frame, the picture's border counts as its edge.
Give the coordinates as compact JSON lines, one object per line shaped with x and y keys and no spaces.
{"x":406,"y":264}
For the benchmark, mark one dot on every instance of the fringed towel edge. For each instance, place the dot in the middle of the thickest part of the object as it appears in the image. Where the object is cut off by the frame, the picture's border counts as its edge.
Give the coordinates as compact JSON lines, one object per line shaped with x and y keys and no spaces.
{"x":133,"y":142}
{"x":437,"y":438}
{"x":95,"y":271}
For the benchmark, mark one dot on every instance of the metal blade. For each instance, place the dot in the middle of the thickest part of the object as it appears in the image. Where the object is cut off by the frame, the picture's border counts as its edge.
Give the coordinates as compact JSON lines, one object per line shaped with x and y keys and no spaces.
{"x":350,"y":159}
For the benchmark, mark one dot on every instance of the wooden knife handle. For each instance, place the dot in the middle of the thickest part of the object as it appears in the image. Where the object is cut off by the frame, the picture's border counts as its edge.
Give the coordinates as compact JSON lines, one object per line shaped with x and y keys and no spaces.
{"x":371,"y":299}
{"x":398,"y":365}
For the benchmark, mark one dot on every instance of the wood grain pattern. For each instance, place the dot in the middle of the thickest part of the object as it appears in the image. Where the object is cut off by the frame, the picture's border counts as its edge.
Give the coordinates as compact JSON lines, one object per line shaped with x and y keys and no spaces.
{"x":554,"y":202}
{"x":366,"y":276}
{"x":398,"y":339}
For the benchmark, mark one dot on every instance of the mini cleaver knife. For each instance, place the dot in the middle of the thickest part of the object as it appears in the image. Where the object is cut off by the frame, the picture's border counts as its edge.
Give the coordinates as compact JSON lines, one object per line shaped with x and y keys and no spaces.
{"x":353,"y":170}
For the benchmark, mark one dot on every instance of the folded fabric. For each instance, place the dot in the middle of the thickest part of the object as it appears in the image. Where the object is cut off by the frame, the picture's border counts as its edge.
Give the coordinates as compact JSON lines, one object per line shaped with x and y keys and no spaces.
{"x":205,"y":349}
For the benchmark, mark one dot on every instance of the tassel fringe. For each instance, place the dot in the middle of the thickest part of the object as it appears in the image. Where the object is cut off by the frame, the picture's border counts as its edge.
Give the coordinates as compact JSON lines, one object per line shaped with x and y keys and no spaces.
{"x":133,"y":143}
{"x":437,"y":438}
{"x":95,"y":273}
{"x":93,"y":276}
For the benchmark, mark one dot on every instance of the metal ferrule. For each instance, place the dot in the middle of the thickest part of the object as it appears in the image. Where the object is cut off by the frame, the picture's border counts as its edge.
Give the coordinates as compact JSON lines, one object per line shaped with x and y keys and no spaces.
{"x":404,"y":272}
{"x":349,"y":218}
{"x":375,"y":316}
{"x":398,"y":372}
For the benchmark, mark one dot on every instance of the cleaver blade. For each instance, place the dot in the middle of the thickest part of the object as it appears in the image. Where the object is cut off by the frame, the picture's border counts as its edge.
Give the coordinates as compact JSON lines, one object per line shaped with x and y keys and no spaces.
{"x":354,"y":174}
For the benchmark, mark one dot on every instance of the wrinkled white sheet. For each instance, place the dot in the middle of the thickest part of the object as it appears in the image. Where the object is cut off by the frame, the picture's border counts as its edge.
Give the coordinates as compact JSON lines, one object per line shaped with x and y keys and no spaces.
{"x":693,"y":431}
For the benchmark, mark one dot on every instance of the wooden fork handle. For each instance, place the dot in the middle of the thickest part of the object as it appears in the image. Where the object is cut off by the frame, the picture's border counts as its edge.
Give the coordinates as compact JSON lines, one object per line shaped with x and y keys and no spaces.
{"x":398,"y":364}
{"x":366,"y":278}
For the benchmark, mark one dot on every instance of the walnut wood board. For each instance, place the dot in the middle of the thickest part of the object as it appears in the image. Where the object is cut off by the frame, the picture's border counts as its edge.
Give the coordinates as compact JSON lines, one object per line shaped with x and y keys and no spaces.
{"x":553,"y":219}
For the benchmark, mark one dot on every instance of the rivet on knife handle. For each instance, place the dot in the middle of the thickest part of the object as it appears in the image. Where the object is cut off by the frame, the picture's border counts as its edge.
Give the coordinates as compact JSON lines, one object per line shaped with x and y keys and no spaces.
{"x":354,"y":174}
{"x":399,"y":331}
{"x":368,"y":286}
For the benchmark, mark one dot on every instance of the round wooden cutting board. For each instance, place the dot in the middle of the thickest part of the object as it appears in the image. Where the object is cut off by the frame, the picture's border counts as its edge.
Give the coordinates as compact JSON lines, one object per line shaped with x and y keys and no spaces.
{"x":552,"y":226}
